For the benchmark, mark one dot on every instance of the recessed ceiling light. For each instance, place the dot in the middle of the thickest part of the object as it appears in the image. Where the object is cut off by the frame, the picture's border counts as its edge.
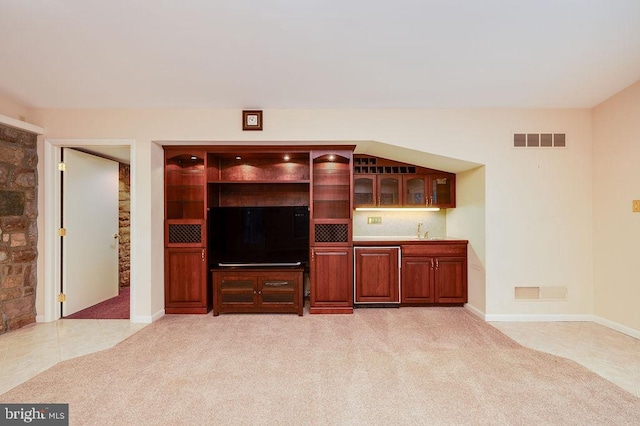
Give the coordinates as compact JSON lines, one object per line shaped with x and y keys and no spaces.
{"x":238,"y":157}
{"x":286,"y":157}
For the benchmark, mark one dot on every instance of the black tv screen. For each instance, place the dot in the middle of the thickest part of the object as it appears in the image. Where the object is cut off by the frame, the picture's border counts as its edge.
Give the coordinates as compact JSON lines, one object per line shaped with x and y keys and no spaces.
{"x":240,"y":236}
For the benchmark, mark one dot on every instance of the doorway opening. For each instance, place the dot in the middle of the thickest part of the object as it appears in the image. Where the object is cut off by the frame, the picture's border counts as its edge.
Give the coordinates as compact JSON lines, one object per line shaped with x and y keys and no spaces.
{"x":95,"y":216}
{"x":57,"y":247}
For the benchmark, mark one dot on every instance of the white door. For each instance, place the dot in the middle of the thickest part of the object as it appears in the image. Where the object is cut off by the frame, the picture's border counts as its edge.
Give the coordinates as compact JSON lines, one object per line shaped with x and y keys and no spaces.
{"x":90,"y":216}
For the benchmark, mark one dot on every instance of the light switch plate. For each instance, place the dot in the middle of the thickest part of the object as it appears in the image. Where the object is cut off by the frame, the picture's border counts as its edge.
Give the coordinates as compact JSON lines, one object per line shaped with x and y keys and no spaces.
{"x":636,"y":206}
{"x":374,"y":220}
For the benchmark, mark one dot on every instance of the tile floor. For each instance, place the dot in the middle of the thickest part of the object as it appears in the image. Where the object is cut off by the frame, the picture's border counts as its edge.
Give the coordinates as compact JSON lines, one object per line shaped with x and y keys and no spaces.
{"x":611,"y":354}
{"x":26,"y":352}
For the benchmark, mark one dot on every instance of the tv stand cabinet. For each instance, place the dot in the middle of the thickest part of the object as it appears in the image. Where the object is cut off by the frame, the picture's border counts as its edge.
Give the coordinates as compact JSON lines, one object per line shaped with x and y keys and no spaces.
{"x":257,"y":290}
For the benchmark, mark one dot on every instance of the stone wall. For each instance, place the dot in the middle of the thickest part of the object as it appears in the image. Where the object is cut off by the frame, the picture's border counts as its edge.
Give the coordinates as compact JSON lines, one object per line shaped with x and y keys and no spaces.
{"x":124,"y":227}
{"x":18,"y":228}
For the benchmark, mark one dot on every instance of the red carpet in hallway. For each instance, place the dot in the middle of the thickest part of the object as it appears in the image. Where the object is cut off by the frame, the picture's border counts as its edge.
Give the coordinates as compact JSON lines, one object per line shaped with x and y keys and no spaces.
{"x":115,"y":308}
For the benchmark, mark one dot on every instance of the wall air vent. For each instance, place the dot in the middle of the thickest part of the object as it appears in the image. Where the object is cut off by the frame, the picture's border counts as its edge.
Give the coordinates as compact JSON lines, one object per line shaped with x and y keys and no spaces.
{"x":540,"y":293}
{"x":539,"y":140}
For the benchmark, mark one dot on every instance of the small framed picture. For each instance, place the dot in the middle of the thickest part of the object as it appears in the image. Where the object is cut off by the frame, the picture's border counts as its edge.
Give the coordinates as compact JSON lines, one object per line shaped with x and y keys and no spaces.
{"x":252,"y":120}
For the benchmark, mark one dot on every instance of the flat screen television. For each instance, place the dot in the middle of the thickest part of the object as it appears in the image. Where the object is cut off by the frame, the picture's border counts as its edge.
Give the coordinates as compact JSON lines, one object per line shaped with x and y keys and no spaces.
{"x":258,"y":236}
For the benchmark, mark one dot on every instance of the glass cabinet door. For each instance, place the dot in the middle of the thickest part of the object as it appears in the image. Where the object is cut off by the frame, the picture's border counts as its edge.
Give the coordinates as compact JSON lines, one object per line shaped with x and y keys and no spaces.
{"x":441,"y":190}
{"x":185,"y":182}
{"x":364,"y":190}
{"x":389,"y":189}
{"x":414,"y":190}
{"x":331,"y":187}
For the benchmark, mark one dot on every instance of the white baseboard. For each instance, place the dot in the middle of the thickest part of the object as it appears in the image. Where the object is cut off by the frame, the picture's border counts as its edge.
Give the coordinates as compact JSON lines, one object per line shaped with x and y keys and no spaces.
{"x":41,"y":318}
{"x":537,"y":317}
{"x":558,"y":317}
{"x":147,"y":319}
{"x":477,"y":312}
{"x":617,"y":327}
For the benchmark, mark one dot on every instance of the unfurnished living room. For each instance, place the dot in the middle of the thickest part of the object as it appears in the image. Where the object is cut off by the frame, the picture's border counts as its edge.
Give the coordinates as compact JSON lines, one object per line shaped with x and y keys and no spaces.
{"x":320,"y":212}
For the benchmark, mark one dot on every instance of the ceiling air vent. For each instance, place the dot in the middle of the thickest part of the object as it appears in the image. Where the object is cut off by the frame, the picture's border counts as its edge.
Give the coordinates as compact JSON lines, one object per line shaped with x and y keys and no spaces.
{"x":539,"y":140}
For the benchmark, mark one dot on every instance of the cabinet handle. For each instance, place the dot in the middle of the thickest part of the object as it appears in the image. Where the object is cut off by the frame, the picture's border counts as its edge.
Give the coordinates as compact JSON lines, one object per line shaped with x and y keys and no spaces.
{"x":203,"y":255}
{"x":259,"y":291}
{"x":431,"y":263}
{"x":275,"y":283}
{"x":313,"y":253}
{"x":436,"y":263}
{"x":255,"y":292}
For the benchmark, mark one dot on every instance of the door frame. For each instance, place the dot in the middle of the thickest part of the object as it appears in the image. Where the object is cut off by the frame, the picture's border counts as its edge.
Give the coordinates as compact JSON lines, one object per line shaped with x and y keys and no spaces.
{"x":52,"y":203}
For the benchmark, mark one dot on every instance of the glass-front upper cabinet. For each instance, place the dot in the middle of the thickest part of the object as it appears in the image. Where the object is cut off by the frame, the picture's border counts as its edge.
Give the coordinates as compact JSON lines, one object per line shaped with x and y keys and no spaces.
{"x":185,"y":183}
{"x":442,"y":190}
{"x":390,"y":188}
{"x":331,"y":186}
{"x":380,"y":182}
{"x":414,"y":190}
{"x":364,"y":190}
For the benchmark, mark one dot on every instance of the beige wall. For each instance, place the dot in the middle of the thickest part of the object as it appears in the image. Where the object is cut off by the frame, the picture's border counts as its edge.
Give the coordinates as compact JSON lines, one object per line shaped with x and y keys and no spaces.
{"x":11,"y":108}
{"x":469,"y":219}
{"x":616,"y":135}
{"x":538,"y":202}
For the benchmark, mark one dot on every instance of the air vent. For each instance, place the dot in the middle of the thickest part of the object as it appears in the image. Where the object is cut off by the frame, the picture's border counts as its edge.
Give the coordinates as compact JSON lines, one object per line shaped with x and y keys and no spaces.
{"x":539,"y":140}
{"x":540,"y":293}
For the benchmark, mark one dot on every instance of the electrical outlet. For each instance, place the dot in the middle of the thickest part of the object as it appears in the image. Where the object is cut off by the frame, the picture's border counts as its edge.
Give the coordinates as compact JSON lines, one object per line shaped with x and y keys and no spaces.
{"x":636,"y":206}
{"x":374,"y":220}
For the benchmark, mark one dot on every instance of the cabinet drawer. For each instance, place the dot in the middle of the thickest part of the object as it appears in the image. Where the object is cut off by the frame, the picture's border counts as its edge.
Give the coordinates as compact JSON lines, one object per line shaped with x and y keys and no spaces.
{"x":435,"y":249}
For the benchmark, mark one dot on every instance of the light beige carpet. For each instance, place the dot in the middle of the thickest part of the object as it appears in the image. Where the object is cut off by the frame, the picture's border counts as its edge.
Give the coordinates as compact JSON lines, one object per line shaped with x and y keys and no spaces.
{"x":378,"y":366}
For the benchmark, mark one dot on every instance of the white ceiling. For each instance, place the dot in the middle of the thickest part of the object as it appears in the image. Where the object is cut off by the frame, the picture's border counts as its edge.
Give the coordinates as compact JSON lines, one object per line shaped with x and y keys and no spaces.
{"x":317,"y":53}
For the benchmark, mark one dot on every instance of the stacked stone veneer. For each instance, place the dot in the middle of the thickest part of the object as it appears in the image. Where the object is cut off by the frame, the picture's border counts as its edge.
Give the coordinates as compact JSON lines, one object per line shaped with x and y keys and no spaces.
{"x":18,"y":228}
{"x":124,"y":259}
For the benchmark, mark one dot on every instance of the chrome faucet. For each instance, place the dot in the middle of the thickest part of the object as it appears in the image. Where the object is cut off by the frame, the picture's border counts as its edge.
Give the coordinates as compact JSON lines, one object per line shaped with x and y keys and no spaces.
{"x":419,"y":225}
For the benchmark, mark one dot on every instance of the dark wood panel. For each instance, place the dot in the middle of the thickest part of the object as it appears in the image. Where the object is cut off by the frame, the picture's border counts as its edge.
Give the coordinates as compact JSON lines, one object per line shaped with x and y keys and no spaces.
{"x":254,"y":290}
{"x":417,"y":280}
{"x":254,"y":194}
{"x":331,"y":278}
{"x":451,"y":279}
{"x":376,"y":275}
{"x":264,"y":169}
{"x":435,"y":248}
{"x":186,"y":281}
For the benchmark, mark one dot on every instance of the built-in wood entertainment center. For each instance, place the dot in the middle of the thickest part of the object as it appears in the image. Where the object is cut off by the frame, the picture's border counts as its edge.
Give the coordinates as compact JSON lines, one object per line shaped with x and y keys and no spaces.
{"x":246,"y":225}
{"x":201,"y":178}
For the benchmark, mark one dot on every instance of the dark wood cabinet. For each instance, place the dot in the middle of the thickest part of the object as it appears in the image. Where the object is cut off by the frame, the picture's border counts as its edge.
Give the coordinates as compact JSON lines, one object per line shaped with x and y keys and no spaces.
{"x":185,"y":184}
{"x":441,"y":190}
{"x":331,"y":280}
{"x":450,"y":282}
{"x":199,"y":178}
{"x":186,"y":285}
{"x":417,"y":280}
{"x":186,"y":290}
{"x":257,"y":179}
{"x":378,"y":182}
{"x":377,"y":275}
{"x":377,"y":190}
{"x":258,"y":290}
{"x":331,"y":267}
{"x":434,"y":273}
